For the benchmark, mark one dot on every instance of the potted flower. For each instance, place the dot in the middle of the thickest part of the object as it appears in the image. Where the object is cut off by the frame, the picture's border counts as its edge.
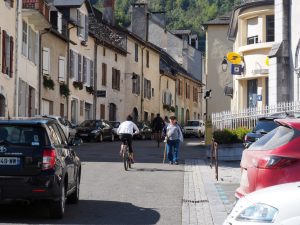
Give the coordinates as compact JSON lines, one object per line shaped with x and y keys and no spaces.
{"x":90,"y":89}
{"x":78,"y":85}
{"x":48,"y":82}
{"x":64,"y":90}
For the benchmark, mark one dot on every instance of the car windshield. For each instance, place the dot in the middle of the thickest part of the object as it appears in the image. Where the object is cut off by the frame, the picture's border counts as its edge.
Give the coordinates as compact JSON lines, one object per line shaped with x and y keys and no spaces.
{"x":90,"y":123}
{"x":22,"y":135}
{"x":193,"y":123}
{"x":265,"y":126}
{"x":115,"y":124}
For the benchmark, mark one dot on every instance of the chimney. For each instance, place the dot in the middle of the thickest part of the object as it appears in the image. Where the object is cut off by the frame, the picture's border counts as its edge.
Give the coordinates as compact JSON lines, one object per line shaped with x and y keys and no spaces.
{"x":108,"y":12}
{"x":159,"y":17}
{"x":139,"y":20}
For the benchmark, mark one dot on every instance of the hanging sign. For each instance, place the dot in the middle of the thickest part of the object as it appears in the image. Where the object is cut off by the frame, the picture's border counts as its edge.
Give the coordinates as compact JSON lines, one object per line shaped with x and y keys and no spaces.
{"x":234,"y":58}
{"x":236,"y":69}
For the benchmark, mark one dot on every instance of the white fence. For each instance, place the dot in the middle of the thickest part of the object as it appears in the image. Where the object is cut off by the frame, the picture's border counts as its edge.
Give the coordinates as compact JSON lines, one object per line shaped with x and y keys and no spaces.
{"x":248,"y":117}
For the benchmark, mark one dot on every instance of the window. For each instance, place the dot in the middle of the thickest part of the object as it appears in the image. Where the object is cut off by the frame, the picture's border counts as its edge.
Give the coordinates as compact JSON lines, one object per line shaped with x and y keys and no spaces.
{"x":112,"y":112}
{"x":195,"y":94}
{"x":61,"y":68}
{"x":88,"y":111}
{"x":167,"y":98}
{"x":115,"y":79}
{"x":147,"y":59}
{"x":180,"y":87}
{"x":104,"y":51}
{"x":116,"y":57}
{"x":62,"y":110}
{"x":46,"y":61}
{"x":104,"y":74}
{"x":10,"y":3}
{"x":270,"y":28}
{"x":136,"y":52}
{"x":85,"y":66}
{"x":79,"y":75}
{"x":102,"y":111}
{"x":187,"y":90}
{"x":252,"y":31}
{"x":136,"y":88}
{"x":47,"y":107}
{"x":7,"y":53}
{"x":82,"y":29}
{"x":251,"y":93}
{"x":24,"y":38}
{"x":147,"y":88}
{"x":92,"y":73}
{"x":152,"y":92}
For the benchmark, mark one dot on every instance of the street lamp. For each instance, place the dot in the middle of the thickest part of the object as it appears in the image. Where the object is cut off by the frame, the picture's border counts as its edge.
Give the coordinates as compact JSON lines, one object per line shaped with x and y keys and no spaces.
{"x":224,"y":64}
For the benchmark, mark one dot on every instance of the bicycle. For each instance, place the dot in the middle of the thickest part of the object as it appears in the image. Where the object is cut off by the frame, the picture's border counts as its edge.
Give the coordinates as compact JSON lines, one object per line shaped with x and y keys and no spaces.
{"x":126,"y":155}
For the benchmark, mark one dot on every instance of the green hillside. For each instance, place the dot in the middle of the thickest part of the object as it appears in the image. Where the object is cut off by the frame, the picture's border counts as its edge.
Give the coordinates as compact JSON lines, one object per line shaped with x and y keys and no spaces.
{"x":181,"y":14}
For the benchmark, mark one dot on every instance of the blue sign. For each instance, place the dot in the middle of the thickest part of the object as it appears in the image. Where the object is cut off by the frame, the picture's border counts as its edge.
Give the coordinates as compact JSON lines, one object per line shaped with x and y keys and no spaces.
{"x":236,"y":69}
{"x":259,"y":98}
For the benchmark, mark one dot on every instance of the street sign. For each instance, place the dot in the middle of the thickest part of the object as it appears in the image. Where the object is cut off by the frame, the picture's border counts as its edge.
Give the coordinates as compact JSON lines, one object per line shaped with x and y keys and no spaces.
{"x":236,"y":69}
{"x":234,"y":58}
{"x":101,"y":94}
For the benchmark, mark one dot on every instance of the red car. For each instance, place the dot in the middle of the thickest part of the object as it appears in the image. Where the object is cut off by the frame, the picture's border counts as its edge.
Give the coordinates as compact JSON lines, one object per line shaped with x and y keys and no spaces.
{"x":273,"y":159}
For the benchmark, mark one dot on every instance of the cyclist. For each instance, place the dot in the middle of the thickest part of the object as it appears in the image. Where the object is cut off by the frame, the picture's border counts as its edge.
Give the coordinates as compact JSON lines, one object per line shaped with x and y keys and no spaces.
{"x":126,"y":131}
{"x":157,"y":125}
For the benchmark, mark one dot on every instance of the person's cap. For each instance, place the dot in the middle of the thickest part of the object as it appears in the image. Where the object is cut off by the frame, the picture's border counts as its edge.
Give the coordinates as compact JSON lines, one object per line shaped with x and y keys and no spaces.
{"x":172,"y":117}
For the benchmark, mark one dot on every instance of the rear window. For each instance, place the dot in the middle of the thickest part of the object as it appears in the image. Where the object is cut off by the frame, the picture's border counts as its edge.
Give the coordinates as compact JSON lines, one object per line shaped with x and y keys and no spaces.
{"x":22,"y":135}
{"x":91,"y":123}
{"x":274,"y":139}
{"x":193,"y":123}
{"x":265,"y":126}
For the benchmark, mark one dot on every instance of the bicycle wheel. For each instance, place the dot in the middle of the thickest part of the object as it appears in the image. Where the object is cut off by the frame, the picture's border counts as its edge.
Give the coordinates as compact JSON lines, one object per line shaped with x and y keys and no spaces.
{"x":129,"y":160}
{"x":125,"y":159}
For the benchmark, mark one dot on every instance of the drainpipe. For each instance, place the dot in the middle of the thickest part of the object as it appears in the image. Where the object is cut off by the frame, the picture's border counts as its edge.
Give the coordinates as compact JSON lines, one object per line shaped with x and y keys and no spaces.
{"x":16,"y":53}
{"x":95,"y":78}
{"x":142,"y":91}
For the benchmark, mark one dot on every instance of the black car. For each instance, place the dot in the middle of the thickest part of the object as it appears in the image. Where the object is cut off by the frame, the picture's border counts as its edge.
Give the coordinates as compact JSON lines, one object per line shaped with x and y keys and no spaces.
{"x":263,"y":126}
{"x":145,"y":131}
{"x":97,"y":130}
{"x":38,"y":163}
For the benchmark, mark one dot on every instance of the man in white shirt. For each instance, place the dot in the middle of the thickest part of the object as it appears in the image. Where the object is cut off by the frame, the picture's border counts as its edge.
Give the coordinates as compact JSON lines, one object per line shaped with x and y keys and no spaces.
{"x":126,"y":131}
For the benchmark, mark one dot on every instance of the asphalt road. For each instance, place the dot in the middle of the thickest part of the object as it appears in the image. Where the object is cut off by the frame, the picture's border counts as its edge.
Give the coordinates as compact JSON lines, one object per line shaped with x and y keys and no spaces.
{"x":150,"y":193}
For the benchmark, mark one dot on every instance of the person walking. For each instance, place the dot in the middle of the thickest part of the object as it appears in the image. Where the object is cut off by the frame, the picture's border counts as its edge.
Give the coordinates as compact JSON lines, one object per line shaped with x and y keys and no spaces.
{"x":174,"y":136}
{"x":157,"y":126}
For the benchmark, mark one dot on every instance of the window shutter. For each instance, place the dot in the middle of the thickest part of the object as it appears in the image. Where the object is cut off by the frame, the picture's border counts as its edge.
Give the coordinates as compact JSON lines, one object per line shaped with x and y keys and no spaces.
{"x":61,"y":68}
{"x":119,"y":78}
{"x":71,"y":64}
{"x":138,"y":85}
{"x":164,"y":98}
{"x":12,"y":3}
{"x":86,"y":28}
{"x":149,"y":90}
{"x":46,"y":61}
{"x":104,"y":74}
{"x":3,"y":51}
{"x":88,"y":72}
{"x":79,"y":78}
{"x":11,"y":56}
{"x":92,"y":73}
{"x":36,"y":49}
{"x":113,"y":79}
{"x":78,"y":22}
{"x":84,"y":79}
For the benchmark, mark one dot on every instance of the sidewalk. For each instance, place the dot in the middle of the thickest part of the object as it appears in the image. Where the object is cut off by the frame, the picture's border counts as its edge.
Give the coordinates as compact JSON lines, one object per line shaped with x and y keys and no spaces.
{"x":207,"y":201}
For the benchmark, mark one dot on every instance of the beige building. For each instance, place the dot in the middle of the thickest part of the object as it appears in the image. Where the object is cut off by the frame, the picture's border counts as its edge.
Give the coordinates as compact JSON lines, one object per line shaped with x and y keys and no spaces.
{"x":218,"y":81}
{"x":252,"y":30}
{"x":7,"y":57}
{"x":142,"y":79}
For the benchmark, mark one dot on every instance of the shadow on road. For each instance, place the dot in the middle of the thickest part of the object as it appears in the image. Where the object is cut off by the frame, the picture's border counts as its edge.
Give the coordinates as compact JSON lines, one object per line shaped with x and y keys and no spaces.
{"x":86,"y":212}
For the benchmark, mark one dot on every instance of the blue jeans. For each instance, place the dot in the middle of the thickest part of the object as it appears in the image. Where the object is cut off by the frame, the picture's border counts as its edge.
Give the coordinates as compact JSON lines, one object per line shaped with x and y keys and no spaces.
{"x":172,"y":150}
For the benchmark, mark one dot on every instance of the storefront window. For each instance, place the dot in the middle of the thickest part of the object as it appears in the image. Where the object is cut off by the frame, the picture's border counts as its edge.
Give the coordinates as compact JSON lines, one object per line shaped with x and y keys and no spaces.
{"x":252,"y":93}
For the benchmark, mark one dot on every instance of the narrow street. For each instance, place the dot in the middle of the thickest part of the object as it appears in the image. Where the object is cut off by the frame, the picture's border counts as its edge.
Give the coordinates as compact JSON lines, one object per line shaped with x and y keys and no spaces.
{"x":150,"y":193}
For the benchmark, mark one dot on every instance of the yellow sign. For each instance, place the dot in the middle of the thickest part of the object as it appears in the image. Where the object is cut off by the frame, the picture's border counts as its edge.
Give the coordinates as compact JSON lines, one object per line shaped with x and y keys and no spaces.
{"x":267,"y":61}
{"x":234,"y":58}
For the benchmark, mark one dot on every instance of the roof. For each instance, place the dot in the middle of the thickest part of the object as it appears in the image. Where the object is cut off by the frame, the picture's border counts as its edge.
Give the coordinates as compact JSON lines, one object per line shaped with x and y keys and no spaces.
{"x":181,"y":32}
{"x":221,"y":20}
{"x":73,"y":4}
{"x":239,"y":9}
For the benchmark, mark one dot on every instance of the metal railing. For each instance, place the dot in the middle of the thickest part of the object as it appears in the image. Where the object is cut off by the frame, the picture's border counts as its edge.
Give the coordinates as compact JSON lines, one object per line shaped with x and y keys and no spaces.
{"x":247,"y":117}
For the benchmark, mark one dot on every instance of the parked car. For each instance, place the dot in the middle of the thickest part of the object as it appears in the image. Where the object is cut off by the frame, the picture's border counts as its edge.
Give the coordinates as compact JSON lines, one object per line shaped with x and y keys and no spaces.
{"x":115,"y":125}
{"x":37,"y":163}
{"x":194,"y":128}
{"x":273,"y":159}
{"x":68,"y":128}
{"x":263,"y":126}
{"x":97,"y":130}
{"x":145,"y":131}
{"x":278,"y":205}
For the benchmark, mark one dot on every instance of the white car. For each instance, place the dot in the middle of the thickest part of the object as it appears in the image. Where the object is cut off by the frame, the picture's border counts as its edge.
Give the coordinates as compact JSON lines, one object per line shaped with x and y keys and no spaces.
{"x":276,"y":205}
{"x":194,"y":128}
{"x":66,"y":125}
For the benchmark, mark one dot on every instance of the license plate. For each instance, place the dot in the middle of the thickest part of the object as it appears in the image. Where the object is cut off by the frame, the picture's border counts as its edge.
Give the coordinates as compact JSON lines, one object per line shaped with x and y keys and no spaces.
{"x":9,"y":161}
{"x":84,"y":135}
{"x":244,"y":179}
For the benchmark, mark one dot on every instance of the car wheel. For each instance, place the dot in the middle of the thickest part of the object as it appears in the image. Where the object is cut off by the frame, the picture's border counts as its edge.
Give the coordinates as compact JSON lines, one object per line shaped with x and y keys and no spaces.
{"x":57,"y":207}
{"x":101,"y":137}
{"x":74,"y":197}
{"x":112,"y":137}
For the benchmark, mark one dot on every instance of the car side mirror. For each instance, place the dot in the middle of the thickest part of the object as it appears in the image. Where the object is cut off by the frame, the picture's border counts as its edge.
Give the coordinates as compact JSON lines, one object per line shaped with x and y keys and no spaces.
{"x":75,"y":141}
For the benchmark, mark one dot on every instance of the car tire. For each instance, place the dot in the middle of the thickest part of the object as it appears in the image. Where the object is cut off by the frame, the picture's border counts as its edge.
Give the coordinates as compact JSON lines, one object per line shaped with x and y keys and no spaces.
{"x":57,"y":207}
{"x":112,"y":139}
{"x":74,"y":197}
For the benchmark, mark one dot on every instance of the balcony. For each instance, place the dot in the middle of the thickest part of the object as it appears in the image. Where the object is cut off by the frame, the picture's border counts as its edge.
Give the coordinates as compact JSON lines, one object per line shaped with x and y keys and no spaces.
{"x":37,"y":13}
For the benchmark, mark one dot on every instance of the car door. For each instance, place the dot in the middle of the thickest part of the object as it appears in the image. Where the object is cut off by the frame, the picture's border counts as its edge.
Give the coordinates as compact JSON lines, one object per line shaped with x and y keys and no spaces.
{"x":107,"y":129}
